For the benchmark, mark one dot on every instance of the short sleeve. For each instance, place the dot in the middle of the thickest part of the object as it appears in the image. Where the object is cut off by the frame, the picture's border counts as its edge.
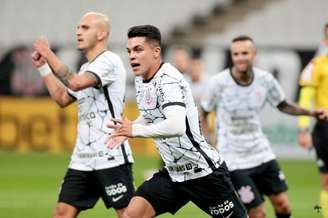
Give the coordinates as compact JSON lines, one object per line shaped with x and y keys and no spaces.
{"x":171,"y":92}
{"x":209,"y":99}
{"x":72,"y":93}
{"x":275,"y":94}
{"x":104,"y":69}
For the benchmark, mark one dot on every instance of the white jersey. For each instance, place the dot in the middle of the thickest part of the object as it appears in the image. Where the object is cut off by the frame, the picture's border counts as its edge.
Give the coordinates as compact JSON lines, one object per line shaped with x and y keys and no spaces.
{"x":241,"y":141}
{"x":96,"y":107}
{"x":188,"y":156}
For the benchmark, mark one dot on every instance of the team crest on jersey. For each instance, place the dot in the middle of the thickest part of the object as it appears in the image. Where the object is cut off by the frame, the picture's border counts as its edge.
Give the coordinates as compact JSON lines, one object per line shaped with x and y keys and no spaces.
{"x":246,"y":194}
{"x":150,"y":97}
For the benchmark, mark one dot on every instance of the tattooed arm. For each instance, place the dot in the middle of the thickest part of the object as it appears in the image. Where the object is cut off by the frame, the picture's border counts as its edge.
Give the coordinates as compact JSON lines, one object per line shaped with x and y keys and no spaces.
{"x":76,"y":81}
{"x":70,"y":79}
{"x":294,"y":109}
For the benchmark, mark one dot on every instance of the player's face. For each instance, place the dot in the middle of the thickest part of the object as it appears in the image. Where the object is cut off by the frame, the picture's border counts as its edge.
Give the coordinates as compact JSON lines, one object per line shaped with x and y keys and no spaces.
{"x":243,"y":55}
{"x":143,"y":55}
{"x":86,"y":33}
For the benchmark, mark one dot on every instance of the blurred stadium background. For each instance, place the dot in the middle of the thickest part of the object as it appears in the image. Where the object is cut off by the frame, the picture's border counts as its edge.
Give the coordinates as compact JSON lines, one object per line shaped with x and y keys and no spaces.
{"x":36,"y":136}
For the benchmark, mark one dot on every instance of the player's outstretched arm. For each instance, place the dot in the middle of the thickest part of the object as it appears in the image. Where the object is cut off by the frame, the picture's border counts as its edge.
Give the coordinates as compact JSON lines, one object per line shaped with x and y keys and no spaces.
{"x":56,"y":89}
{"x":294,"y":109}
{"x":70,"y":79}
{"x":174,"y":125}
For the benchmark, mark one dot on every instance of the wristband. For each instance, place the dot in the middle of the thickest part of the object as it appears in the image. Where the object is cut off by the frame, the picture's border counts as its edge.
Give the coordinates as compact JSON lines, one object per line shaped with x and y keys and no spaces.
{"x":44,"y":70}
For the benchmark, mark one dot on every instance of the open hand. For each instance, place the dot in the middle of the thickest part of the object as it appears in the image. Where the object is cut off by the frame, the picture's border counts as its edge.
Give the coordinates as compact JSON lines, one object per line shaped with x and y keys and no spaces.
{"x":122,"y":129}
{"x":113,"y":142}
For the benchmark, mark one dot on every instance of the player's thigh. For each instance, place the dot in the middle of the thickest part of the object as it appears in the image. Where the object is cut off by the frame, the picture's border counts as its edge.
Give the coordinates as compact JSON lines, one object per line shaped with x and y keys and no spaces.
{"x":246,"y":188}
{"x":320,"y":142}
{"x":116,"y":185}
{"x":215,"y":194}
{"x":270,"y":179}
{"x":161,"y":193}
{"x":78,"y":189}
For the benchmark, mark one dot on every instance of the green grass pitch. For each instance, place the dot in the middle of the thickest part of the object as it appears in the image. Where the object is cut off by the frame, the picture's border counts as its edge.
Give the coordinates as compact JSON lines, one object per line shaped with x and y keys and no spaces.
{"x":29,"y":184}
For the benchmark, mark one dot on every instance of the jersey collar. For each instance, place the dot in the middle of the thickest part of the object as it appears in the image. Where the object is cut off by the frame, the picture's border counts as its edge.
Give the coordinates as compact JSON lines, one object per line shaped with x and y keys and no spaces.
{"x":148,"y":80}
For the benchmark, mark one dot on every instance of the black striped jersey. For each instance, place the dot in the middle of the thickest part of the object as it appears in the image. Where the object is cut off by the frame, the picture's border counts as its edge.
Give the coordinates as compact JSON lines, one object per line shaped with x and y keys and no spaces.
{"x":187,"y":156}
{"x":240,"y":139}
{"x":96,"y":107}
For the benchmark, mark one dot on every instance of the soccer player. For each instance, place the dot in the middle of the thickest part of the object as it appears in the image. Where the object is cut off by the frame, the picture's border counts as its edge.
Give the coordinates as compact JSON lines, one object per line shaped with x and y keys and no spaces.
{"x":237,"y":95}
{"x":314,"y":86}
{"x":193,"y":169}
{"x":94,"y":170}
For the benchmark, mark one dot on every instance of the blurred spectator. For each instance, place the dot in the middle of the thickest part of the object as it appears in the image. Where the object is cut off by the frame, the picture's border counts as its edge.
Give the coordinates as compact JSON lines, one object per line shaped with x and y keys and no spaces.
{"x":188,"y":61}
{"x":18,"y":76}
{"x":323,"y":46}
{"x":196,"y":76}
{"x":6,"y":67}
{"x":180,"y":58}
{"x":24,"y":78}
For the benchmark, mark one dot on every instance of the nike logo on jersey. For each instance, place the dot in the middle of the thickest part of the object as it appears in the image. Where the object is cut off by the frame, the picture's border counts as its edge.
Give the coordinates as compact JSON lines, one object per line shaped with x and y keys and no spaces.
{"x":117,"y":198}
{"x":230,"y":214}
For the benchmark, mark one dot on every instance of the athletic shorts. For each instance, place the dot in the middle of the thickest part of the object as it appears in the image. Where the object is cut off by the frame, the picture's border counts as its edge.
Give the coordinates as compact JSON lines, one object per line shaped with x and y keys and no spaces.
{"x":82,"y":189}
{"x":320,"y":142}
{"x":214,"y":194}
{"x":251,"y":184}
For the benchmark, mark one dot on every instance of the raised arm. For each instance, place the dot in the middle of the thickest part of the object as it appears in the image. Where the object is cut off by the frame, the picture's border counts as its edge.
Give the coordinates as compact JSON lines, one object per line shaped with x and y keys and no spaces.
{"x":57,"y":90}
{"x":70,"y":79}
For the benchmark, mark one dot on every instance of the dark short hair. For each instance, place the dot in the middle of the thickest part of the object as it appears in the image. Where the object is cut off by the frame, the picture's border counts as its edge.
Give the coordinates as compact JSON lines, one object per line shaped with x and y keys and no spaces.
{"x":151,"y":33}
{"x":242,"y":38}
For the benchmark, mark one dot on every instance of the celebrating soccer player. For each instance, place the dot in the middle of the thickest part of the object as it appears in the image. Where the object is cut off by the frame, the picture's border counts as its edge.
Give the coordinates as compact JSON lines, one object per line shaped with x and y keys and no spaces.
{"x":194,"y":170}
{"x":94,"y":171}
{"x":237,"y":95}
